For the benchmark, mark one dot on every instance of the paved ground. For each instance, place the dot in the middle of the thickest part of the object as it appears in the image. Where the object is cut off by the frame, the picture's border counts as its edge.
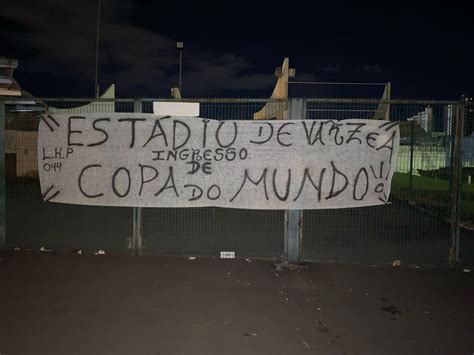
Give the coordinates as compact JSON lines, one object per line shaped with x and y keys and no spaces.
{"x":71,"y":304}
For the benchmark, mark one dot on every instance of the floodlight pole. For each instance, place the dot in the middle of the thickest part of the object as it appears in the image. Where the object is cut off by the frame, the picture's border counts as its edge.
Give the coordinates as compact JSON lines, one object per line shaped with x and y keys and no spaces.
{"x":136,"y":240}
{"x":180,"y":69}
{"x":96,"y":86}
{"x":180,"y":47}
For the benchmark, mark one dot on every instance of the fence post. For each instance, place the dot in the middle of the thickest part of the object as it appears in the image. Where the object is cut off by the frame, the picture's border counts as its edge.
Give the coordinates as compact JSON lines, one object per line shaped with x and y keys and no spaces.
{"x":412,"y":143}
{"x":3,"y":194}
{"x":137,"y":211}
{"x":456,"y":181}
{"x":294,"y":218}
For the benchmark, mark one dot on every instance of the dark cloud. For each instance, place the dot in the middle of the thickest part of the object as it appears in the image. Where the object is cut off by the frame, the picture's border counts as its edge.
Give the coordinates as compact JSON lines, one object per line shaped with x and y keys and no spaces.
{"x":232,"y":51}
{"x":305,"y":77}
{"x":137,"y":59}
{"x":330,"y":69}
{"x":372,"y":68}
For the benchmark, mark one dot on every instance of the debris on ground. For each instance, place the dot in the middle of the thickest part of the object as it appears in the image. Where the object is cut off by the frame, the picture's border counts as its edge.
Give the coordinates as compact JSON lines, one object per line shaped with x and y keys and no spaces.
{"x":393,"y":310}
{"x":229,"y":273}
{"x":396,"y":263}
{"x":286,"y":265}
{"x":42,"y":249}
{"x":79,"y":252}
{"x":427,"y":312}
{"x":466,"y":270}
{"x":318,"y":309}
{"x":250,"y":334}
{"x":248,"y":260}
{"x":323,"y":329}
{"x":298,"y":329}
{"x":16,"y":249}
{"x":305,"y":344}
{"x":192,"y":258}
{"x":99,"y":252}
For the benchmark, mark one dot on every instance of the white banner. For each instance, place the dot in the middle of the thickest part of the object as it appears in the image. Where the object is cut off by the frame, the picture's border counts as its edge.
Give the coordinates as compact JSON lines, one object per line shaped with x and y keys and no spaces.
{"x":144,"y":160}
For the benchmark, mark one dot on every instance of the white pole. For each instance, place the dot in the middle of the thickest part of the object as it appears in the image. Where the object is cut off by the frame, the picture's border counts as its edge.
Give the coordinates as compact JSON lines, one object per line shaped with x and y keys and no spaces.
{"x":180,"y":69}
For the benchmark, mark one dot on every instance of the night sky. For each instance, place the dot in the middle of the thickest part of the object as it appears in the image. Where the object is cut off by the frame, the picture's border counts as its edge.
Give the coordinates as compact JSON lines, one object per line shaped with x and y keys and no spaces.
{"x":232,"y":49}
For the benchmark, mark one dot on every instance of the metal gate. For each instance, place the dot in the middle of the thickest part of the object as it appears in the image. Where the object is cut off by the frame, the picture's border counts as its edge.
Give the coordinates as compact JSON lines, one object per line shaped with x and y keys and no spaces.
{"x":427,"y":222}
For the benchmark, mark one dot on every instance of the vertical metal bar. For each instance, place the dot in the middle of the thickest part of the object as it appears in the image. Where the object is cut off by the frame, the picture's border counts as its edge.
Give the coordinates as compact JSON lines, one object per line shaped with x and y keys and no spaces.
{"x":285,"y":234}
{"x":3,"y":194}
{"x":137,"y":211}
{"x":294,"y":235}
{"x":451,"y":145}
{"x":293,"y":218}
{"x":412,"y":138}
{"x":389,"y":96}
{"x":456,"y":183}
{"x":137,"y":231}
{"x":180,"y":70}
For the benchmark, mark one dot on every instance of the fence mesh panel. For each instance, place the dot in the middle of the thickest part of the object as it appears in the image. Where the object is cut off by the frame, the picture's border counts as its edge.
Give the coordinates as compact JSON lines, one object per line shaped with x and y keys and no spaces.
{"x":31,"y":223}
{"x":414,"y":227}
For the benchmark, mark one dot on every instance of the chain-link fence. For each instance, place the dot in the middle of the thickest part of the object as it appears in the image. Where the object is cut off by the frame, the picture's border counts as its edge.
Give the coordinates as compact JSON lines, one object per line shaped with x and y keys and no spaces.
{"x":417,"y":227}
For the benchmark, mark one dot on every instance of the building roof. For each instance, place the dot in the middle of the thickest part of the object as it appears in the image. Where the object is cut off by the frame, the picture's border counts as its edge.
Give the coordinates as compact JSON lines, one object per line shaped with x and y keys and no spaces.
{"x":8,"y":85}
